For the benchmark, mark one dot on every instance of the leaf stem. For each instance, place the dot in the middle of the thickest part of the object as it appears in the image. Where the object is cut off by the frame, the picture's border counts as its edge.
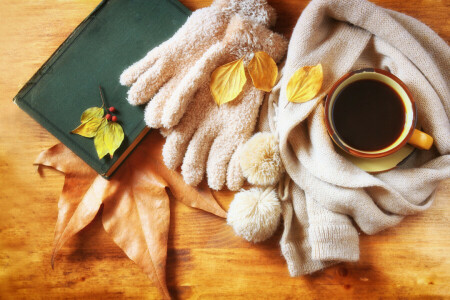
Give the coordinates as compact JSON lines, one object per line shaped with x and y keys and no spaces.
{"x":101,"y":95}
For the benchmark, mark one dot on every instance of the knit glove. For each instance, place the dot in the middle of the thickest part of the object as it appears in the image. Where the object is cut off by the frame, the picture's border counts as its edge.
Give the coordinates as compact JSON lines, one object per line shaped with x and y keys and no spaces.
{"x":164,"y":66}
{"x":207,"y":135}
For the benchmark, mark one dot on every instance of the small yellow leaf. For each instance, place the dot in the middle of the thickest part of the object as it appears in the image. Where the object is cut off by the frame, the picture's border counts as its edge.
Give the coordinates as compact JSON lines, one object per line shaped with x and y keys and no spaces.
{"x":263,"y":70}
{"x":108,"y":139}
{"x":305,"y":84}
{"x":92,"y":112}
{"x":88,"y":128}
{"x":99,"y":142}
{"x":227,"y":81}
{"x":116,"y":139}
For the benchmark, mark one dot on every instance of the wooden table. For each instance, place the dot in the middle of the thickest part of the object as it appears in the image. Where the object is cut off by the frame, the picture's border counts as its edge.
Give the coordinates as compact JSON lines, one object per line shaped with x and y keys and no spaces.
{"x":205,"y":259}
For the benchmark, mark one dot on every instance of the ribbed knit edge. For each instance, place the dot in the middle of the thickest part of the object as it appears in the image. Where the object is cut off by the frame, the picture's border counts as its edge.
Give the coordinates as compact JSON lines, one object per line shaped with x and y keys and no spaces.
{"x":334,"y":242}
{"x":298,"y":265}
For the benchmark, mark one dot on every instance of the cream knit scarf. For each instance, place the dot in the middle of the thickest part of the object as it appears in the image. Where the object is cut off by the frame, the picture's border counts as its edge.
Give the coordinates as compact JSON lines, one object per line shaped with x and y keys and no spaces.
{"x":327,"y":190}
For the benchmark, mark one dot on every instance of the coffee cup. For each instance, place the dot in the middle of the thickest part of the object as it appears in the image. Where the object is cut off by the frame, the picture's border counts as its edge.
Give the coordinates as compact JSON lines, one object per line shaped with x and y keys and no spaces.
{"x":370,"y":113}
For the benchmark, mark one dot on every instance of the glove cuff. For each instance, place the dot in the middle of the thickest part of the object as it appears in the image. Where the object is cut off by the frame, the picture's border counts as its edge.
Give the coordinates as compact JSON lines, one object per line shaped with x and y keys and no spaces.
{"x":334,"y":242}
{"x":243,"y":37}
{"x":257,"y":11}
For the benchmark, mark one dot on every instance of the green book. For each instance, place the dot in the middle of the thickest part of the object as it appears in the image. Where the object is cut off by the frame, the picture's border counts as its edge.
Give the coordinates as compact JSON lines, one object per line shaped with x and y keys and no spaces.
{"x":115,"y":35}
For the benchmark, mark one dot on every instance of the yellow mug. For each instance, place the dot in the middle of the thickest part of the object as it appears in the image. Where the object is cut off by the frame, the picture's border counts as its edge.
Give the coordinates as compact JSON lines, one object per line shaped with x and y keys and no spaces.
{"x":354,"y":108}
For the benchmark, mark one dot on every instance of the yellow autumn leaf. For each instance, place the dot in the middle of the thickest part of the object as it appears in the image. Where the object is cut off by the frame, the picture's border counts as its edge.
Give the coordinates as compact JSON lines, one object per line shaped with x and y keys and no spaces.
{"x":108,"y":139}
{"x":116,"y":137}
{"x":88,"y":128}
{"x":263,"y":70}
{"x":92,"y":112}
{"x":99,"y":142}
{"x":227,"y":81}
{"x":305,"y":84}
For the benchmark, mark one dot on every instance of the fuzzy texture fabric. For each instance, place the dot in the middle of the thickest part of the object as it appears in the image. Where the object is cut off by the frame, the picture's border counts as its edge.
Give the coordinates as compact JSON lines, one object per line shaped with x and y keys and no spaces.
{"x":260,"y":159}
{"x":207,"y":136}
{"x":163,"y":67}
{"x":255,"y":214}
{"x":328,"y":190}
{"x":178,"y":72}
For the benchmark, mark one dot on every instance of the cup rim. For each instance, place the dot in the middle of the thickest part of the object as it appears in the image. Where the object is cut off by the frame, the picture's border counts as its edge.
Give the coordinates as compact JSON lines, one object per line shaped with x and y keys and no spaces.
{"x":356,"y":152}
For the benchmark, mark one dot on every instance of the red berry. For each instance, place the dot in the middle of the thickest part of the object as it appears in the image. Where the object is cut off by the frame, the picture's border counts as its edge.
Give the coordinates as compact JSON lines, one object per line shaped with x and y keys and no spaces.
{"x":114,"y":118}
{"x":108,"y":117}
{"x":112,"y":109}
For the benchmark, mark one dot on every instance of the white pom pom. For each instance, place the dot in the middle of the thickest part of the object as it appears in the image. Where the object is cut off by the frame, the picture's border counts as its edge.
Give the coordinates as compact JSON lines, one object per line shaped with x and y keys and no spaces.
{"x":260,"y":159}
{"x":255,"y":214}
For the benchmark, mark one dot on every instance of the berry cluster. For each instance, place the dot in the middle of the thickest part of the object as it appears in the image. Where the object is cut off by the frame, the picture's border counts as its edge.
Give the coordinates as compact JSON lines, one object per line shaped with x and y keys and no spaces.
{"x":110,"y":117}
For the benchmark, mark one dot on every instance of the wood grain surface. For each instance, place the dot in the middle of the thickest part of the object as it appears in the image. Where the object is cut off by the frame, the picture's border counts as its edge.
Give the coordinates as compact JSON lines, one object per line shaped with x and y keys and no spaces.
{"x":205,"y":259}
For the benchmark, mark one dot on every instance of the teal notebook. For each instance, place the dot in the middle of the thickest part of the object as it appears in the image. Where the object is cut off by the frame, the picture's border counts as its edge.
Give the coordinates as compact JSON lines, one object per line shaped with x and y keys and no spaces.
{"x":115,"y":35}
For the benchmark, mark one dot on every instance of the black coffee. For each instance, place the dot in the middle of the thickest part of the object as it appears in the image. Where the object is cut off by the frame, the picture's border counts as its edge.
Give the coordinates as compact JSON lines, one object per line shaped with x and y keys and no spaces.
{"x":368,"y":115}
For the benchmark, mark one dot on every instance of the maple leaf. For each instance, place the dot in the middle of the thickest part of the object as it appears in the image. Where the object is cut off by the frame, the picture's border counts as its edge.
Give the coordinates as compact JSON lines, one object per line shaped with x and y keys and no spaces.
{"x":136,"y":211}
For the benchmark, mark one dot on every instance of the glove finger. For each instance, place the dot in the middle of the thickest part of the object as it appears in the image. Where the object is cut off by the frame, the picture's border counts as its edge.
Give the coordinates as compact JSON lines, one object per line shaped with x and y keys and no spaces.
{"x":175,"y":147}
{"x":165,"y":131}
{"x":197,"y":77}
{"x":153,"y":113}
{"x":177,"y":141}
{"x":132,"y":73}
{"x":194,"y":163}
{"x":219,"y":157}
{"x":150,"y":82}
{"x":235,"y":178}
{"x":155,"y":108}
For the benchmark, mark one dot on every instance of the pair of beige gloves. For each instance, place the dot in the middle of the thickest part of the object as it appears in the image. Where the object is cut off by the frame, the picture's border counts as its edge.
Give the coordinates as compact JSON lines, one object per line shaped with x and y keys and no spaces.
{"x":174,"y":79}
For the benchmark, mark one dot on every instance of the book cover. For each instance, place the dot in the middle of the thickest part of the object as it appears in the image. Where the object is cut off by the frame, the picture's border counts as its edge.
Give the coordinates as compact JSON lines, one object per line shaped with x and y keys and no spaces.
{"x":115,"y":35}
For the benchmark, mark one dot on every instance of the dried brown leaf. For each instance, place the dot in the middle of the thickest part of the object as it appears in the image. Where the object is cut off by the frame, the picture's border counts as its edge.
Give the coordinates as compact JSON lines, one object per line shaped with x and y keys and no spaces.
{"x":136,"y":206}
{"x":72,"y":217}
{"x":198,"y":197}
{"x":137,"y":218}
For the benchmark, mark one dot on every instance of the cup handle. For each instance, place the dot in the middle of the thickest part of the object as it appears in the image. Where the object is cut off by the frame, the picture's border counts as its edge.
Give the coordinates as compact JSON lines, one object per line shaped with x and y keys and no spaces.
{"x":421,"y":140}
